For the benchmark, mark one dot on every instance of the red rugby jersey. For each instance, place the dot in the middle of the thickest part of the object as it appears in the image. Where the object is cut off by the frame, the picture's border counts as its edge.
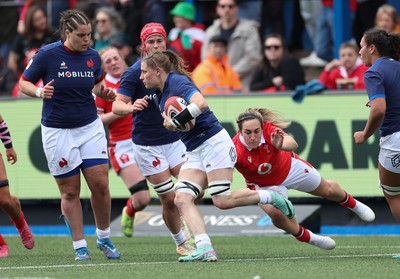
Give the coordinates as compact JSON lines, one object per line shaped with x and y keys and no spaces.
{"x":120,"y":129}
{"x":264,"y":166}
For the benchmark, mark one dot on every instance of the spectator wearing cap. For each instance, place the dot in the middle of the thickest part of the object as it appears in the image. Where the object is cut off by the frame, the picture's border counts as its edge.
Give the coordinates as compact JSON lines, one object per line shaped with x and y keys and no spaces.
{"x":187,"y":37}
{"x":244,"y":43}
{"x":214,"y":75}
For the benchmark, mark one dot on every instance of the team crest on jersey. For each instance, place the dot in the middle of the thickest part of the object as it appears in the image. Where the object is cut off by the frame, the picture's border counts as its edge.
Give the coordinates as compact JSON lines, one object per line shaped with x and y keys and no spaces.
{"x":63,"y":65}
{"x":90,"y":63}
{"x":249,"y":159}
{"x":265,"y":147}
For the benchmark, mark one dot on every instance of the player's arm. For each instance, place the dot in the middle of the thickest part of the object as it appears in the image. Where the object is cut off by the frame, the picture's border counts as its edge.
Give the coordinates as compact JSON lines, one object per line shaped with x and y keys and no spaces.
{"x":375,"y":119}
{"x":198,"y":99}
{"x":376,"y":116}
{"x":122,"y":105}
{"x":104,"y":92}
{"x":196,"y":105}
{"x":6,"y":139}
{"x":283,"y":141}
{"x":31,"y":90}
{"x":108,"y":117}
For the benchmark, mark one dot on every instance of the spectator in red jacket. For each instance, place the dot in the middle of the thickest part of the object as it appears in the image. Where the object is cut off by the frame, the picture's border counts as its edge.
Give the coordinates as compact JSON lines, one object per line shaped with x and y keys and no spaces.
{"x":347,"y":72}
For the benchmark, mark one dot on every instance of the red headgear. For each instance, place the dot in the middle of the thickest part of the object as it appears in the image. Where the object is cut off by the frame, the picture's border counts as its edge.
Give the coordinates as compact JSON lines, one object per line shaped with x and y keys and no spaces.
{"x":149,"y":29}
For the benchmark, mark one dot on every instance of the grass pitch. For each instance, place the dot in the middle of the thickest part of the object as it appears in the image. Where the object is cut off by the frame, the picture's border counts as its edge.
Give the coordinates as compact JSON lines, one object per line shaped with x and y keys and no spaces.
{"x":238,"y":257}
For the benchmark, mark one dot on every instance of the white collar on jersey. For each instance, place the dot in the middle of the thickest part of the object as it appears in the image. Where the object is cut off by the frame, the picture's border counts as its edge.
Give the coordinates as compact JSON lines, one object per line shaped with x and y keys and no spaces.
{"x":245,"y":144}
{"x":112,"y":79}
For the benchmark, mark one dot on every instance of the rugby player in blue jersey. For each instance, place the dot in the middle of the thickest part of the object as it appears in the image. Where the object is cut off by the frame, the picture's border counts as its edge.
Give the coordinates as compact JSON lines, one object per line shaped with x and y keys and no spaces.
{"x":211,"y":154}
{"x":381,"y":51}
{"x":159,"y":153}
{"x":73,"y":136}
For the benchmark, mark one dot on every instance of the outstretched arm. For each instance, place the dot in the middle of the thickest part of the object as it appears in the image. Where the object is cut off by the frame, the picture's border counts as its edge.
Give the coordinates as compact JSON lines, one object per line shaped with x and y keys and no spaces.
{"x":282,"y":141}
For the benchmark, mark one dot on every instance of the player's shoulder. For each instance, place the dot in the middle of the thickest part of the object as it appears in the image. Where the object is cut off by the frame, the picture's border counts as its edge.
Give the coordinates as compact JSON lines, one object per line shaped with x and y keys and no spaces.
{"x":51,"y":47}
{"x":136,"y":65}
{"x":134,"y":68}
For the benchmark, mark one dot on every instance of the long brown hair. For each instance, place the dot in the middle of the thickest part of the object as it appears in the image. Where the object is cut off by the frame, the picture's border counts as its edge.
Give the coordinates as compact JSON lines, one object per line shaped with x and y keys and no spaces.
{"x":29,"y":30}
{"x":263,"y":115}
{"x":168,"y":61}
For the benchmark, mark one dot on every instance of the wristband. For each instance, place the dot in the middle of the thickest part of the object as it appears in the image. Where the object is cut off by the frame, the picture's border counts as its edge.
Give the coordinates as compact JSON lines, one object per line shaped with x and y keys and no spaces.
{"x":189,"y":113}
{"x":194,"y":110}
{"x":38,"y":92}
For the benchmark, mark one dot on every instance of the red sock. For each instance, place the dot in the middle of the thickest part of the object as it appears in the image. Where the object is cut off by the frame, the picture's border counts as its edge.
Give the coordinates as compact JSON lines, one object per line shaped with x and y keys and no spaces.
{"x":19,"y":222}
{"x":2,"y":241}
{"x":348,"y":201}
{"x":130,"y":211}
{"x":303,"y":234}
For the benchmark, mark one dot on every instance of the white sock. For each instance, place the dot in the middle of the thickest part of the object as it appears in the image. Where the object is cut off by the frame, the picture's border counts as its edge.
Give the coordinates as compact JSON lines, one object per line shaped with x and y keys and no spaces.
{"x":202,"y":239}
{"x":79,"y":244}
{"x":102,"y":234}
{"x":265,"y":197}
{"x":179,"y":237}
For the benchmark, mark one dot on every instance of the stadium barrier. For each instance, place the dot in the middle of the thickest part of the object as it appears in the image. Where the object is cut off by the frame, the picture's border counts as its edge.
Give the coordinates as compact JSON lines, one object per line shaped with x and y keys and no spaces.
{"x":323,"y":125}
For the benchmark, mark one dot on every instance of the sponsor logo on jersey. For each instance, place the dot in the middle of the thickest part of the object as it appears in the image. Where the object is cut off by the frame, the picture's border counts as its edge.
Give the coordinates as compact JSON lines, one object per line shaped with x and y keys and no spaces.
{"x":150,"y":97}
{"x":76,"y":74}
{"x":264,"y":168}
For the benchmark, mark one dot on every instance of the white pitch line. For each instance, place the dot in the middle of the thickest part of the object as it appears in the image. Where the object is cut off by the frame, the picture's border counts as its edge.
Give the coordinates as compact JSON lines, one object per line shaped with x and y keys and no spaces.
{"x":162,"y":263}
{"x":367,"y":247}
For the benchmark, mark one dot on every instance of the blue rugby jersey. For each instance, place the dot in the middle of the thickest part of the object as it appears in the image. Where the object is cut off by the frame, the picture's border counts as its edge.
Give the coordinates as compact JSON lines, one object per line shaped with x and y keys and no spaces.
{"x":148,"y":128}
{"x":74,"y":74}
{"x":382,"y":81}
{"x":207,"y":125}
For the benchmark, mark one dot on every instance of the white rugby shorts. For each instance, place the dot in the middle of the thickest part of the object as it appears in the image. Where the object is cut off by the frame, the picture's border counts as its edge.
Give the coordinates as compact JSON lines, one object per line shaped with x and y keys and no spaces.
{"x":66,"y":148}
{"x":156,"y":159}
{"x":218,"y":152}
{"x":389,"y":153}
{"x":121,"y":154}
{"x":302,"y":177}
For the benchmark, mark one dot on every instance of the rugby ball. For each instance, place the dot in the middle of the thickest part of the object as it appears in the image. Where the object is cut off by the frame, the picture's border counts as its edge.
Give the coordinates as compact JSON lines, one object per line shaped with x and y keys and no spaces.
{"x":175,"y":105}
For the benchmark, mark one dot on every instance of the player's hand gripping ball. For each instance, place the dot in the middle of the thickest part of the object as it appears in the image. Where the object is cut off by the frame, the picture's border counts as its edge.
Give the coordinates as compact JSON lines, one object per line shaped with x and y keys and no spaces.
{"x":175,"y":105}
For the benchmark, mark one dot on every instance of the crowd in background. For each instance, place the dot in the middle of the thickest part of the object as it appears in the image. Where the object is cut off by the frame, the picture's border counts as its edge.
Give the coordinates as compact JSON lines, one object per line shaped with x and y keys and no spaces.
{"x":239,"y":46}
